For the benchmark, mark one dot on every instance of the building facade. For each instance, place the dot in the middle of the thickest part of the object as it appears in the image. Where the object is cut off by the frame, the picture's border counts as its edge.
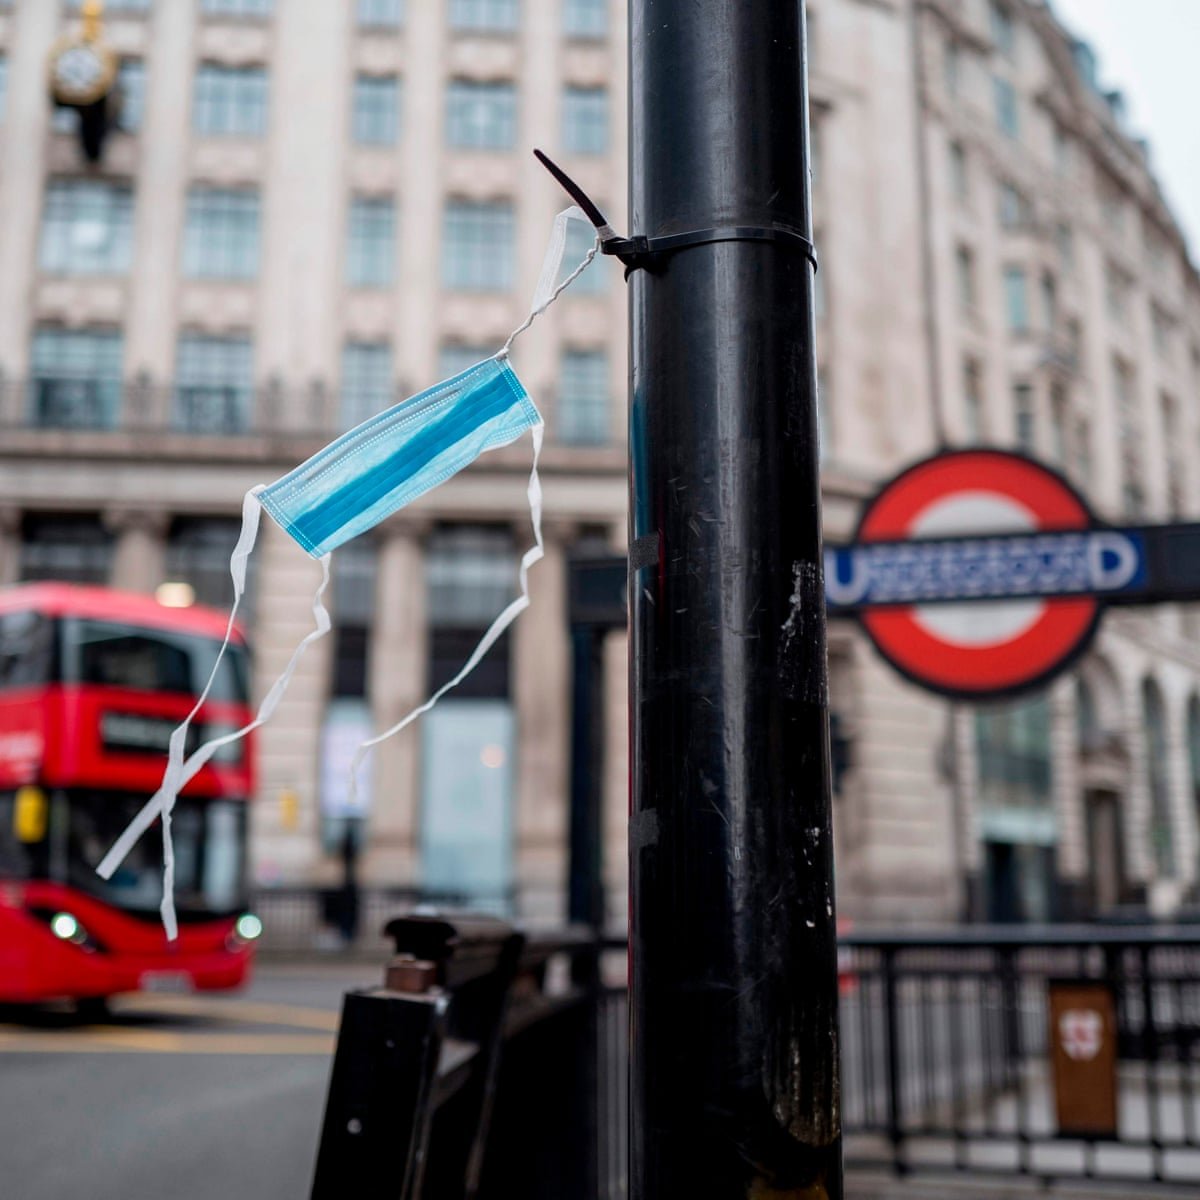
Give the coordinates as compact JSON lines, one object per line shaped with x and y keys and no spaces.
{"x":314,"y":209}
{"x":1001,"y":269}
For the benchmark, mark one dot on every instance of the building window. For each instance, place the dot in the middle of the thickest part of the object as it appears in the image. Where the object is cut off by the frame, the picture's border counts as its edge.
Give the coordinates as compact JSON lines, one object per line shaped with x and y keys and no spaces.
{"x":1023,"y":417}
{"x":1116,"y":291}
{"x":1007,"y":118}
{"x":220,"y":237}
{"x":454,"y":358}
{"x":131,"y":84}
{"x":1173,"y":449}
{"x":964,"y":274}
{"x":478,"y":246}
{"x":237,"y":8}
{"x":1065,"y":241}
{"x":1154,"y":728}
{"x":973,"y":400}
{"x":376,"y":120}
{"x":380,"y":14}
{"x":76,"y":379}
{"x":354,"y":571}
{"x":1083,"y":449}
{"x":585,"y":18}
{"x":71,"y":549}
{"x":1004,"y":31}
{"x":213,"y":384}
{"x":580,"y":239}
{"x":1014,"y":208}
{"x":371,"y":241}
{"x":87,"y":227}
{"x":1162,"y":328}
{"x":472,"y":576}
{"x":366,"y":381}
{"x":481,"y":116}
{"x":959,"y":179}
{"x":1016,"y":299}
{"x":584,"y":416}
{"x":230,"y":101}
{"x":198,"y":552}
{"x":1049,"y":290}
{"x":1058,"y":422}
{"x":952,"y":67}
{"x":1013,"y":752}
{"x":585,"y":120}
{"x":1062,"y":150}
{"x":484,"y":16}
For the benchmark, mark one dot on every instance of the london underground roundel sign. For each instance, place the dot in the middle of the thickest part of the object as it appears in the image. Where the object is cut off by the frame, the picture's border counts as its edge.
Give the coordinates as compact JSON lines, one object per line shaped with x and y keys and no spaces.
{"x":986,"y":648}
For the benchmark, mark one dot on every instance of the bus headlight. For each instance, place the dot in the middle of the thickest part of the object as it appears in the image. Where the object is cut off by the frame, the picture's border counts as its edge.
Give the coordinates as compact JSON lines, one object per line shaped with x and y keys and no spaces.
{"x":248,"y":928}
{"x":64,"y":925}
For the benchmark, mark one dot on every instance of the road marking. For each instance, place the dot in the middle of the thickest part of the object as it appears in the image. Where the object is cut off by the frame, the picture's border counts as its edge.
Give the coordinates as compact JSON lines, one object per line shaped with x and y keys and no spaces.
{"x":248,"y":1012}
{"x":96,"y":1040}
{"x":136,"y":1038}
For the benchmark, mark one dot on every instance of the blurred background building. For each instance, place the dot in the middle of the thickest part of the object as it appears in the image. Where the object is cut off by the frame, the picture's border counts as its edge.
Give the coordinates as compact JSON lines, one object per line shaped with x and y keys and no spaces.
{"x":312,"y":209}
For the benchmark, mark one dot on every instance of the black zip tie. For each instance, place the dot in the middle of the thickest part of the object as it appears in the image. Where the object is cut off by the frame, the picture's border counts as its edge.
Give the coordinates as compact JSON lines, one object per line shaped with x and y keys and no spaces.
{"x":643,"y":253}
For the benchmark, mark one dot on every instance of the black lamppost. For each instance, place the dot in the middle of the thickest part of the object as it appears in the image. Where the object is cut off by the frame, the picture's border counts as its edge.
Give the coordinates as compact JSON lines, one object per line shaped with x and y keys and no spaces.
{"x":734,"y":1053}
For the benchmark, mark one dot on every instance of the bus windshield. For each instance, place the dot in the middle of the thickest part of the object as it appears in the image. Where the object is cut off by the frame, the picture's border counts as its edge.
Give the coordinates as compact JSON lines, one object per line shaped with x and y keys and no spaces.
{"x":209,"y":837}
{"x":151,"y":660}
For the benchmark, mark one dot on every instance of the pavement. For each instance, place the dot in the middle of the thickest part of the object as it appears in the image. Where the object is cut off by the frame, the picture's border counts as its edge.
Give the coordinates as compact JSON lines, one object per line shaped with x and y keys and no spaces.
{"x":192,"y":1097}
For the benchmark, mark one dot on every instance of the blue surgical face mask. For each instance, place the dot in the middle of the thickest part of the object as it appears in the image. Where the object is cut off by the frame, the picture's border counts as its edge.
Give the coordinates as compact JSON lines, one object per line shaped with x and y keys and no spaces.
{"x":390,"y":460}
{"x":349,"y":487}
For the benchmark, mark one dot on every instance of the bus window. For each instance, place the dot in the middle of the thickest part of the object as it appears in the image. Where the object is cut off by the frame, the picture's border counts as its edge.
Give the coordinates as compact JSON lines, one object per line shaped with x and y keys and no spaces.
{"x":26,"y":650}
{"x":209,"y":838}
{"x":151,"y":660}
{"x":14,"y":861}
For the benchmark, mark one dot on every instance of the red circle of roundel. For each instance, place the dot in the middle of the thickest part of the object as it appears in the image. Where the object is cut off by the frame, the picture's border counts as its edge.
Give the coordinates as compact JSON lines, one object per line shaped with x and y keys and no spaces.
{"x":1032,"y":656}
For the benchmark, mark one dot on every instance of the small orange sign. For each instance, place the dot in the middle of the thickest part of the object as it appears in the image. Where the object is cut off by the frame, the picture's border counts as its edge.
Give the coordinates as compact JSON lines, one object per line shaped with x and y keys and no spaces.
{"x":1083,"y":1055}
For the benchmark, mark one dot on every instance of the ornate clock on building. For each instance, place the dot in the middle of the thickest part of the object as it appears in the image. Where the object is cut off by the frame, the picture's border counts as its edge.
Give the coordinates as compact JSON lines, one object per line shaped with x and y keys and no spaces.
{"x":83,"y":73}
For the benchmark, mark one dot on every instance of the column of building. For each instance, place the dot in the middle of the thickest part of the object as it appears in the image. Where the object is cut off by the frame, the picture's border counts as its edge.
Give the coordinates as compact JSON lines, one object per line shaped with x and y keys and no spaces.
{"x":542,"y":693}
{"x":398,"y":682}
{"x":139,"y":550}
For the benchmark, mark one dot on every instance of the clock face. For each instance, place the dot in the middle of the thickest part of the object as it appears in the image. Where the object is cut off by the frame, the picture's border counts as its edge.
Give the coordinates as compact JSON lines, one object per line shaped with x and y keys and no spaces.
{"x":79,"y":69}
{"x":81,"y":72}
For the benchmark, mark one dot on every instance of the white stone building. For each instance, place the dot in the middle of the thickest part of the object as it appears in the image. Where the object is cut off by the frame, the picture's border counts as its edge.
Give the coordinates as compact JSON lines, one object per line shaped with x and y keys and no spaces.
{"x":318,"y":207}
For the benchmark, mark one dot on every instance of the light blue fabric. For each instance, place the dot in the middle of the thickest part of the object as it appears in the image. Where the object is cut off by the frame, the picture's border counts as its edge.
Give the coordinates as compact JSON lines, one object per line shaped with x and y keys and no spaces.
{"x":390,"y":460}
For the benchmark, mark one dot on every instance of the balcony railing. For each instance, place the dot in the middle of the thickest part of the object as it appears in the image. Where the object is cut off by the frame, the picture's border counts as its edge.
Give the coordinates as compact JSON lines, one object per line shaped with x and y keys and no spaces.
{"x":230,"y":410}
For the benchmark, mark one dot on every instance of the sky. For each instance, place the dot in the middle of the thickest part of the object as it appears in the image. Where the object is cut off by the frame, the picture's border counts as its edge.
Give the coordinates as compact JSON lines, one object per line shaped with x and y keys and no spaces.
{"x":1148,"y":49}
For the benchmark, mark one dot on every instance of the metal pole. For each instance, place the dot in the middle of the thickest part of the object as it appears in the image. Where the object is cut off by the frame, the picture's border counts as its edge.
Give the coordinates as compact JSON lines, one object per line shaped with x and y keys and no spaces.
{"x":734,"y":1053}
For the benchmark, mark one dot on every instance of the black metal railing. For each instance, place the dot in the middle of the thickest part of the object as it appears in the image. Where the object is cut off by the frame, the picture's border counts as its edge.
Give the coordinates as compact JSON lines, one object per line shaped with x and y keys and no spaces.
{"x":489,"y":1065}
{"x":497,"y":1065}
{"x":108,"y":405}
{"x":946,"y":1057}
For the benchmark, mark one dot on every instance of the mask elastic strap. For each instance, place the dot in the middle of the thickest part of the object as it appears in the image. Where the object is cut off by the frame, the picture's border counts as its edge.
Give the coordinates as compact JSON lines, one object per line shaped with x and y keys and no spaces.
{"x":180,"y":773}
{"x":546,"y":291}
{"x":534,"y":554}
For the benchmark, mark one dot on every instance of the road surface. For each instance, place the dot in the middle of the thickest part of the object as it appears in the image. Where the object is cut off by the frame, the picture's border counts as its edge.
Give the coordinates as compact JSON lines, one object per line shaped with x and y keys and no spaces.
{"x":197,"y":1097}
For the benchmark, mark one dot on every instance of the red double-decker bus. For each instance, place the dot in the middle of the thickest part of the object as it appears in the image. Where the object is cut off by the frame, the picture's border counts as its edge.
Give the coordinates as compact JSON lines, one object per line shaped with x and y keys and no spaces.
{"x":92,"y":682}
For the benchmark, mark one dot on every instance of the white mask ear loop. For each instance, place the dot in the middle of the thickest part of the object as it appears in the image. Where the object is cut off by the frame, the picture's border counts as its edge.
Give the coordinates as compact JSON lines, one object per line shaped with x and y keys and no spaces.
{"x":178,"y":776}
{"x":546,"y":292}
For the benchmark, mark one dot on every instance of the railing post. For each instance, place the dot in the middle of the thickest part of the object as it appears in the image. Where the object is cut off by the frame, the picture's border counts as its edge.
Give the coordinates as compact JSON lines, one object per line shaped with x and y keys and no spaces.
{"x":894,"y":1097}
